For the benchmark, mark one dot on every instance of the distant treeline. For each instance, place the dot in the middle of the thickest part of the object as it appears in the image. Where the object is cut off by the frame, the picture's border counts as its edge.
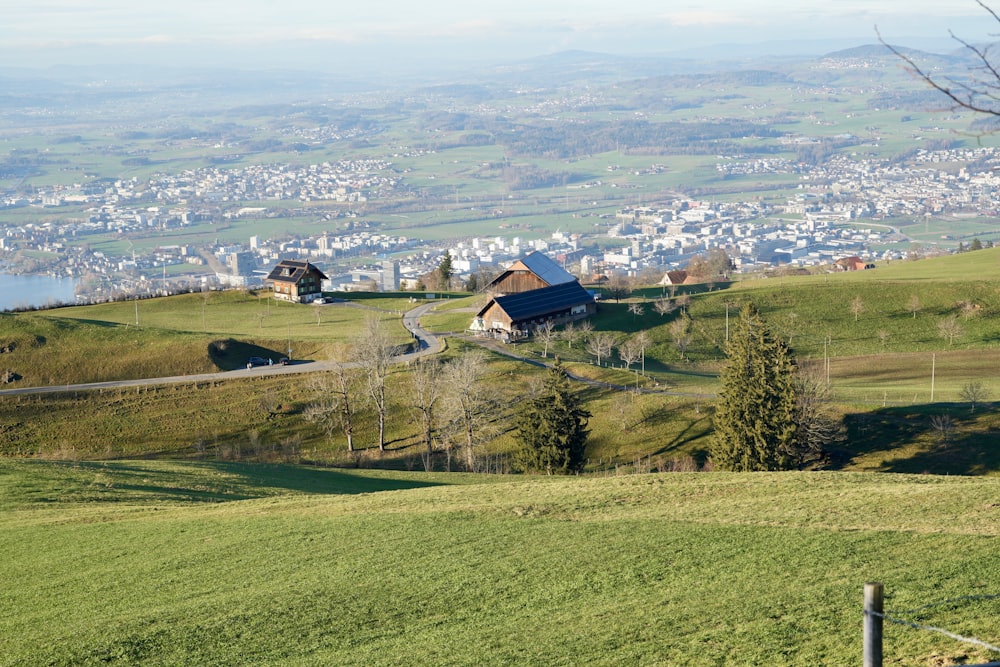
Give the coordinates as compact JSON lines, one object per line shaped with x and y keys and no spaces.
{"x":563,"y":139}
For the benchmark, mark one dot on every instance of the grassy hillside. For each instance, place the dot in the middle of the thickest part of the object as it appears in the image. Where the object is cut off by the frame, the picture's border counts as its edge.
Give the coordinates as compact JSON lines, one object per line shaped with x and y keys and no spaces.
{"x":178,"y":335}
{"x":880,"y":368}
{"x":156,"y":563}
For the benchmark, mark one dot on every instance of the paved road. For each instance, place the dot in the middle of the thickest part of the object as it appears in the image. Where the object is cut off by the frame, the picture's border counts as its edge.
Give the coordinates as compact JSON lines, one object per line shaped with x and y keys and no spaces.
{"x":427,"y":343}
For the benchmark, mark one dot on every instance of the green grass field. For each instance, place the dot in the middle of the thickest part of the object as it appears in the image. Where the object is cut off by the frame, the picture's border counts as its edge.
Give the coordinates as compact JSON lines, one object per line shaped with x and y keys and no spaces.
{"x":163,"y":563}
{"x":888,"y":368}
{"x":180,"y":335}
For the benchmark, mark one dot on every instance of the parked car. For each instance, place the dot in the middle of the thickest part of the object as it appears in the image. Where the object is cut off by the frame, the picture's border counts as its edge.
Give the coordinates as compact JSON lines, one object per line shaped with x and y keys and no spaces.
{"x":256,"y":361}
{"x":284,"y":361}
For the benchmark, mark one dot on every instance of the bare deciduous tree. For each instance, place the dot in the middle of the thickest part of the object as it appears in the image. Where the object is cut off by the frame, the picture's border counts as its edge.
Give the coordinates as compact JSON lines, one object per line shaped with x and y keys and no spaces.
{"x":468,"y":399}
{"x":334,"y":406}
{"x":569,"y":333}
{"x":637,"y":309}
{"x":793,"y":319}
{"x":816,"y":429}
{"x":944,"y":425}
{"x":545,"y":333}
{"x":629,"y":353}
{"x":375,"y":350}
{"x":950,"y":329}
{"x":883,"y":337}
{"x":857,"y":307}
{"x":618,"y":287}
{"x":663,"y":306}
{"x":680,"y":331}
{"x":600,"y":345}
{"x":974,"y":392}
{"x":976,"y":92}
{"x":913,"y":305}
{"x":683,"y":302}
{"x":643,"y":341}
{"x":426,"y":388}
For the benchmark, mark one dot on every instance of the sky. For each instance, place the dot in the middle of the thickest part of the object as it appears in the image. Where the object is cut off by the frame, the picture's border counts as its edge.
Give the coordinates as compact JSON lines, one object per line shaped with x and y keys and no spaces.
{"x":329,"y":35}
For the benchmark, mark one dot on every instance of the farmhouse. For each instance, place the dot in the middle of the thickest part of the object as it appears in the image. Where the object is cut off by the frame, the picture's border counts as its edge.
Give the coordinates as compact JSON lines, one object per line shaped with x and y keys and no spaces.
{"x":534,"y":290}
{"x":852,"y":263}
{"x":298,"y":281}
{"x":678,"y":277}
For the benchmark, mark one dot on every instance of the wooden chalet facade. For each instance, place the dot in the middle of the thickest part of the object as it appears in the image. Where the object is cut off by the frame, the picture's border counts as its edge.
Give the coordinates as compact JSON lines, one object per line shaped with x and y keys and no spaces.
{"x":532,"y":272}
{"x":532,"y":291}
{"x":297,"y":281}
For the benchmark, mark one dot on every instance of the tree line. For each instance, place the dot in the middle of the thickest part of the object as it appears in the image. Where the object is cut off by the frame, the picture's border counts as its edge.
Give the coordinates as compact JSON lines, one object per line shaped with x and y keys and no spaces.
{"x":454,"y":404}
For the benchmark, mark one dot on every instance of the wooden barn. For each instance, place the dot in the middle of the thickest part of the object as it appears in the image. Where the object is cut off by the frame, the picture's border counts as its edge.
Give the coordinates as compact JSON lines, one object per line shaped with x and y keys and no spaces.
{"x":298,"y":281}
{"x":513,"y":316}
{"x":531,"y":272}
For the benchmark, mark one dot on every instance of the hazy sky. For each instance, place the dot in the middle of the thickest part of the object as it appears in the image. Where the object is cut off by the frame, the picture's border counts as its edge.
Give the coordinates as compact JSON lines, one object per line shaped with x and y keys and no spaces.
{"x":288,"y":32}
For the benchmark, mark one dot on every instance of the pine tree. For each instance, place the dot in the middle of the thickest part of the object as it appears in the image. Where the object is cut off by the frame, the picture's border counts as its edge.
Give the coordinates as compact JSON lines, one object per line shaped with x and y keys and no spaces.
{"x":756,"y":412}
{"x":445,"y":271}
{"x":552,"y":427}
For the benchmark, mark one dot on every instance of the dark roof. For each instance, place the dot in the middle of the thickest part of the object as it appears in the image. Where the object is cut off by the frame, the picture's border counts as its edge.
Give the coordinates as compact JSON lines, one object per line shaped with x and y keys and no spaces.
{"x":291,"y":270}
{"x":540,"y":302}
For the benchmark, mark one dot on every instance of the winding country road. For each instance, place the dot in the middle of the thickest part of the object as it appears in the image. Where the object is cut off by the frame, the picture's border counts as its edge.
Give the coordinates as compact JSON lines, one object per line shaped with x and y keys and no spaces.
{"x":426,"y":344}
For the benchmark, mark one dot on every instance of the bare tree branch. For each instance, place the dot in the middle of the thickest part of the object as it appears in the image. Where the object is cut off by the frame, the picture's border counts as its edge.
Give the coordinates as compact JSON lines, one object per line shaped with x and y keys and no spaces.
{"x":974,"y":95}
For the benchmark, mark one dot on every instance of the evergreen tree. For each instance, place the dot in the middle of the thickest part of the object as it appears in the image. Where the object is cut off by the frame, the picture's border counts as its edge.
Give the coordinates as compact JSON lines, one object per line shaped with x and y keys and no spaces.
{"x":755,"y":419}
{"x":553,"y":428}
{"x":445,"y":271}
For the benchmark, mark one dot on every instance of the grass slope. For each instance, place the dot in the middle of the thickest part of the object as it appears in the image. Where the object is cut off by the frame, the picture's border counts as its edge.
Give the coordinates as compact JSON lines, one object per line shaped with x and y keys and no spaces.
{"x":153,"y":563}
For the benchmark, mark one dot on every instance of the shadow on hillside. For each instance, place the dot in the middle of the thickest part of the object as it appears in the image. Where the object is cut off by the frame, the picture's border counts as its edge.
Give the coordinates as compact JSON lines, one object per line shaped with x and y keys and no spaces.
{"x":943,"y":438}
{"x":210,"y":481}
{"x":694,"y":430}
{"x":229,"y":354}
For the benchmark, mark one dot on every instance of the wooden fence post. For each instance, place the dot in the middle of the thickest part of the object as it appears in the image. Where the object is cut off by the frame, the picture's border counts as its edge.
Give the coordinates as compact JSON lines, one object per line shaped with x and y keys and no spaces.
{"x":873,"y":625}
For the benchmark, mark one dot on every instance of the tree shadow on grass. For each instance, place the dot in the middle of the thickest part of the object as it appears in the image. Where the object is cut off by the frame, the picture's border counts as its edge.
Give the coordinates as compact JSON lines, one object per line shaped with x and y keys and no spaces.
{"x":229,"y":354}
{"x":943,"y":438}
{"x":695,"y":429}
{"x":199,"y":482}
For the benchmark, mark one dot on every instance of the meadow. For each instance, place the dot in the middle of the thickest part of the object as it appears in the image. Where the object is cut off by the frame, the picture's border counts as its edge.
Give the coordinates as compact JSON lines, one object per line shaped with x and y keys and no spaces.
{"x":187,"y":334}
{"x":897,"y":386}
{"x":156,"y":563}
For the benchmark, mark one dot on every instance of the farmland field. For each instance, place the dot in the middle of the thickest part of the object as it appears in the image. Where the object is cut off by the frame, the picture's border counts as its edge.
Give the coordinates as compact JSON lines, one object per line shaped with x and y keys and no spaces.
{"x":158,"y":563}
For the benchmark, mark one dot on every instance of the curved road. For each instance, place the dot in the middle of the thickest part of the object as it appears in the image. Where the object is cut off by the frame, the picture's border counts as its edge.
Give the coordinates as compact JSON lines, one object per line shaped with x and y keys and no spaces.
{"x":426,"y":344}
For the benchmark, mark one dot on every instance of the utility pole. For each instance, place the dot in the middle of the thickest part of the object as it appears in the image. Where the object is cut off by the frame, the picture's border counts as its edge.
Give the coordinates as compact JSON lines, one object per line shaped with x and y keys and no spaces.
{"x":933,"y":368}
{"x":826,"y":359}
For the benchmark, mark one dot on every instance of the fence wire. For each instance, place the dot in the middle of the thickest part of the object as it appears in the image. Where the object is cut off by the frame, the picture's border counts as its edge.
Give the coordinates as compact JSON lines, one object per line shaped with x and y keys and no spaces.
{"x":942,"y":631}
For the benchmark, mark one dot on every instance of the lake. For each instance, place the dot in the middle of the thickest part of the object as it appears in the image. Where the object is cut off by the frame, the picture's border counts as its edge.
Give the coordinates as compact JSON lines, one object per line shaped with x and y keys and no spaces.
{"x":19,"y":291}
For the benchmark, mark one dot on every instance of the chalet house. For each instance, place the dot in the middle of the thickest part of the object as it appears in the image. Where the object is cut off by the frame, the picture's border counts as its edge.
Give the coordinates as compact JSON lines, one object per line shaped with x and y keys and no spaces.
{"x":298,"y":281}
{"x":534,"y":290}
